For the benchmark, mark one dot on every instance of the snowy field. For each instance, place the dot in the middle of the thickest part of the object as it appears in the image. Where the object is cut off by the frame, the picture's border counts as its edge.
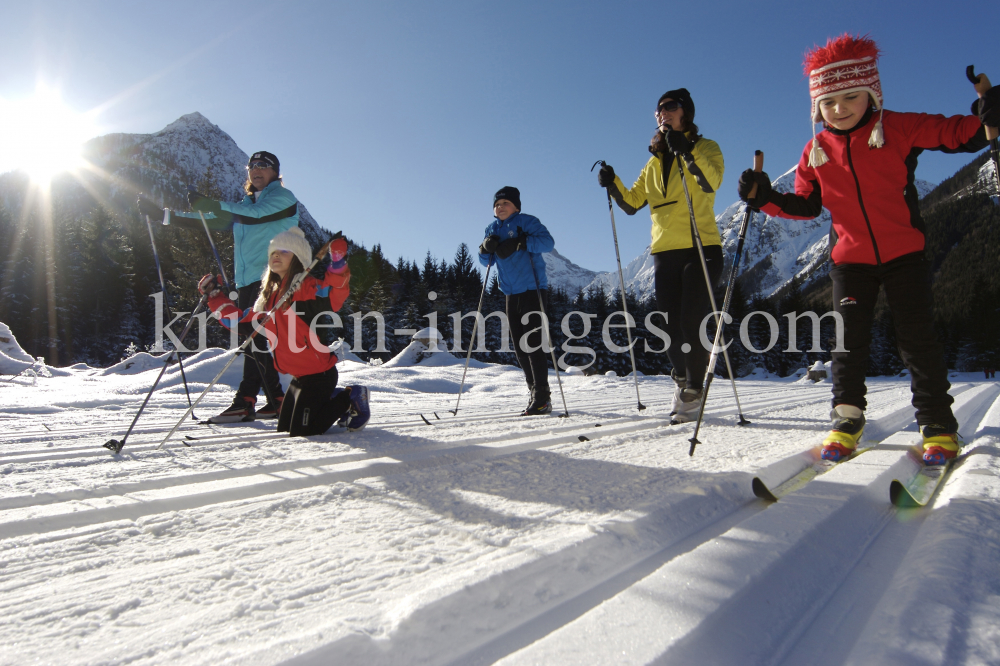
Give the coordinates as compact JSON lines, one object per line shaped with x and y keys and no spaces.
{"x":484,"y":538}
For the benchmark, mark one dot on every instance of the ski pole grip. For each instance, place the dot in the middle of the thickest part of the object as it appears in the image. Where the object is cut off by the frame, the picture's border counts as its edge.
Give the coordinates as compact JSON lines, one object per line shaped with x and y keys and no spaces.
{"x":982,"y":84}
{"x":758,"y":166}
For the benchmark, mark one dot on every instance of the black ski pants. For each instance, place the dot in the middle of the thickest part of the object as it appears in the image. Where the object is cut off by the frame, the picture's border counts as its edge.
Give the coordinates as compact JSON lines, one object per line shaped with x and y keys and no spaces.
{"x":310,"y":406}
{"x":907,"y":284}
{"x":535,"y":363}
{"x":681,"y":294}
{"x":256,"y":376}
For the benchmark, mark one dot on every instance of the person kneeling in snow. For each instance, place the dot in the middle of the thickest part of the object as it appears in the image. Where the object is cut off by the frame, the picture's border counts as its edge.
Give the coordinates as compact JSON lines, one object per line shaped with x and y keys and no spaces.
{"x":312,"y":402}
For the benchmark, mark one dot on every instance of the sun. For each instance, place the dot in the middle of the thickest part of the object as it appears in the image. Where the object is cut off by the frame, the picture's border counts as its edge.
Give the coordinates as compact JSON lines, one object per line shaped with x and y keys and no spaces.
{"x":41,"y":135}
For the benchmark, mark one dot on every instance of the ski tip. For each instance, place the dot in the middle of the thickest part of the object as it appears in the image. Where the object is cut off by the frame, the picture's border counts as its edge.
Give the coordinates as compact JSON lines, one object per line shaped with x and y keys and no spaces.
{"x":761,"y":490}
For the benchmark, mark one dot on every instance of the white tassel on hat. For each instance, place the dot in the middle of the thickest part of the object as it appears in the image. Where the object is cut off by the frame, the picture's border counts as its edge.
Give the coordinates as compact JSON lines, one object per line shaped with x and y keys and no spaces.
{"x":877,"y":139}
{"x":817,"y":156}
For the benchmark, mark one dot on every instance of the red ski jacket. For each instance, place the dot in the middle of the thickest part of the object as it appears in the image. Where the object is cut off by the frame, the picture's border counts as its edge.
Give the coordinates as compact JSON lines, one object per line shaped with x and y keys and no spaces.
{"x":297,"y":350}
{"x":869,"y":191}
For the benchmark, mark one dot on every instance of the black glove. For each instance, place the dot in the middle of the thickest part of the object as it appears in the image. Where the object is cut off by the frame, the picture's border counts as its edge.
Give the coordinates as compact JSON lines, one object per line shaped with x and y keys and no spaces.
{"x":747,"y":180}
{"x":489,"y":245}
{"x":678,"y":143}
{"x":606,"y":176}
{"x":510,"y":246}
{"x":147,"y":207}
{"x":202,"y":203}
{"x":988,"y":108}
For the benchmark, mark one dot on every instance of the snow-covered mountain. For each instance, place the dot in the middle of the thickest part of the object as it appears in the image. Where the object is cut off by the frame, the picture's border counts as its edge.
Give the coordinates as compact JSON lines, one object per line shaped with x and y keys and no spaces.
{"x":191,"y":151}
{"x":564,"y":274}
{"x":776,"y":250}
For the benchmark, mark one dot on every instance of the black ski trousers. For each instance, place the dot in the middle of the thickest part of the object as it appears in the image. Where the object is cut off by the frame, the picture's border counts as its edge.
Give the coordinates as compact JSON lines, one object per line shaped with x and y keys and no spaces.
{"x":256,"y":376}
{"x":535,"y":363}
{"x":310,"y":406}
{"x":907,"y":285}
{"x":681,"y":295}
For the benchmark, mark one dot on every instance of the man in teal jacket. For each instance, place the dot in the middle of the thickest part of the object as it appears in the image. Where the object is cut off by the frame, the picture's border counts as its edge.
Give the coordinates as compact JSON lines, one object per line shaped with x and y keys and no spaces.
{"x":516,"y":242}
{"x":267,"y":209}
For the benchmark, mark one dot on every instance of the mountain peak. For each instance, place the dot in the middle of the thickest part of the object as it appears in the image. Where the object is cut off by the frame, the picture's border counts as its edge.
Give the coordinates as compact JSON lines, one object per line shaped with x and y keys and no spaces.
{"x":189,"y":121}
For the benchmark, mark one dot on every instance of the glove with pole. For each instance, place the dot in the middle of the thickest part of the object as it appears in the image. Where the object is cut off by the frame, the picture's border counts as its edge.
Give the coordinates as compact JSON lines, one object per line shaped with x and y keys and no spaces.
{"x":489,"y":244}
{"x":512,"y":245}
{"x":678,"y":143}
{"x":606,"y":176}
{"x":200,"y":202}
{"x":211,"y":285}
{"x":754,"y":188}
{"x":988,"y":107}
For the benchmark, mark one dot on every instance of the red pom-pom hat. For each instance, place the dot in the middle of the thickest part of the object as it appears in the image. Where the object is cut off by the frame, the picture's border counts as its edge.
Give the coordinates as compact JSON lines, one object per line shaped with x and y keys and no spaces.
{"x":845,"y":64}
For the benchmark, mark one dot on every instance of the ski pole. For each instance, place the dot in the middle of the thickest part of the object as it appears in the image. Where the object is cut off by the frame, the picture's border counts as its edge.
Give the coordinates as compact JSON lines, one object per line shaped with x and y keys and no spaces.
{"x":163,"y":288}
{"x":116,"y":445}
{"x":982,"y":84}
{"x":218,"y":260}
{"x":468,"y":356}
{"x":621,"y":283}
{"x":548,"y":337}
{"x":748,"y":215}
{"x":715,"y":310}
{"x":257,"y":328}
{"x":222,"y":271}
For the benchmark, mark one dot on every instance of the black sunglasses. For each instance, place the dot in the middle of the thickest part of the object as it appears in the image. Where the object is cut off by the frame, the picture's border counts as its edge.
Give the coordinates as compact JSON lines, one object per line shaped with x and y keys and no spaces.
{"x":258,"y":165}
{"x":669,"y":106}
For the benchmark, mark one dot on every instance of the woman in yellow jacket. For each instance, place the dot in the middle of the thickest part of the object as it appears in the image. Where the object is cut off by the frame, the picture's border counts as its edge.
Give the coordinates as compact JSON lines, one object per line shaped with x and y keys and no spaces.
{"x":681,"y":293}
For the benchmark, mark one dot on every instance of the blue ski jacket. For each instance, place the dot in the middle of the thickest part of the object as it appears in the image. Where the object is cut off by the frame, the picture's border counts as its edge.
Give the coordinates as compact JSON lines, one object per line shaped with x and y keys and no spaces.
{"x":256,"y":219}
{"x":515,"y":272}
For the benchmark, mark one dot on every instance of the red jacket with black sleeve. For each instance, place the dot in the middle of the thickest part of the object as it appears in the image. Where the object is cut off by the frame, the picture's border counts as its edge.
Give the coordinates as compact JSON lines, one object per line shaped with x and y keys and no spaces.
{"x":869,"y":191}
{"x":297,"y":349}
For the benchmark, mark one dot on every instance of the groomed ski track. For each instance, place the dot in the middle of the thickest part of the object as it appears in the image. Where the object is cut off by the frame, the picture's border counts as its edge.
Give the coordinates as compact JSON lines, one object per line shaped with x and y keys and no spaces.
{"x":490,"y":539}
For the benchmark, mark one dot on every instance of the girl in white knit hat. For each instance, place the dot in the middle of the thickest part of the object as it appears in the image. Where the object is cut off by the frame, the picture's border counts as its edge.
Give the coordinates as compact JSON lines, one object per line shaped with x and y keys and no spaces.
{"x":312,"y":402}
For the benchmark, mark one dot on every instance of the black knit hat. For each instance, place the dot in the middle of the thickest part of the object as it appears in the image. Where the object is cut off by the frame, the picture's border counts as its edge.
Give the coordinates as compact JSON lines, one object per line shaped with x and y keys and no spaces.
{"x":511,"y":194}
{"x":264,"y":156}
{"x":684,"y":97}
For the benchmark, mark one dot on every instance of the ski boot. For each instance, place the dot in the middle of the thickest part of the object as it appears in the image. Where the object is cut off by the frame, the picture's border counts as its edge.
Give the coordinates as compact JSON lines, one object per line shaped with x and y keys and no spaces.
{"x":242,"y":410}
{"x":538,"y":407}
{"x":940,"y":444}
{"x":687,"y":409}
{"x":681,"y":384}
{"x":357,"y":416}
{"x":848,"y":425}
{"x":271,"y":411}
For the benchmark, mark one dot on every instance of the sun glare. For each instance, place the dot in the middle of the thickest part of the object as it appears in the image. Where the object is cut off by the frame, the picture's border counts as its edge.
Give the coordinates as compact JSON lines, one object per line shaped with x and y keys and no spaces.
{"x":41,"y":135}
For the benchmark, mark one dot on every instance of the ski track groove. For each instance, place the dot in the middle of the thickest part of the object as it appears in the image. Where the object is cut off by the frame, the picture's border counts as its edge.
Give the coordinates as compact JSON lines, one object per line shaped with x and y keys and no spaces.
{"x":669,"y":534}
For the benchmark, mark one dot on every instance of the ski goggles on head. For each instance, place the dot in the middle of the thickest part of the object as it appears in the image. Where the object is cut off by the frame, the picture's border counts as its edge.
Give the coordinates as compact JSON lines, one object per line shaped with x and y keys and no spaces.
{"x":669,"y":106}
{"x":259,"y":164}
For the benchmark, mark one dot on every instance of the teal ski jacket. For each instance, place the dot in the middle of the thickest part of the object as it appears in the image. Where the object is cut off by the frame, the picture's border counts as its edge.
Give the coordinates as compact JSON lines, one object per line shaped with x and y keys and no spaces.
{"x":255,"y":220}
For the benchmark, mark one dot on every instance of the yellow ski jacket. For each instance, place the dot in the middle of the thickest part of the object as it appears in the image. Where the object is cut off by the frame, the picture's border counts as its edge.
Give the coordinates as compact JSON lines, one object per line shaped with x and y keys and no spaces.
{"x":703,"y":169}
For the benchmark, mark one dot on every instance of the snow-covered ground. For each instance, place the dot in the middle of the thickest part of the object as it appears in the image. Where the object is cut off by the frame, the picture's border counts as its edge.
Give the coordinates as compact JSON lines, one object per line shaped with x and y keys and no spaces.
{"x":483,"y":538}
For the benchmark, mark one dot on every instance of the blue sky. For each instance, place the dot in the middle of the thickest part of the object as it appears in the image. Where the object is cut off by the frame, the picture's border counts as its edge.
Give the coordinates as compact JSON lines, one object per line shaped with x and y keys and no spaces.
{"x":397,"y":122}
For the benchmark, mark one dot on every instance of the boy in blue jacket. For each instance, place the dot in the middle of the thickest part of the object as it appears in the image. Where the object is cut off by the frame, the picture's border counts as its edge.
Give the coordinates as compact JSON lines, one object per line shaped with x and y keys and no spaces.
{"x":517,"y":242}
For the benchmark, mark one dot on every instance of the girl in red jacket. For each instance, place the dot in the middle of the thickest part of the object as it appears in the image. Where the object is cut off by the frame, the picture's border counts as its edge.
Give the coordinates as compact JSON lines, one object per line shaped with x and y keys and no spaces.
{"x":861,"y":168}
{"x":312,"y":402}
